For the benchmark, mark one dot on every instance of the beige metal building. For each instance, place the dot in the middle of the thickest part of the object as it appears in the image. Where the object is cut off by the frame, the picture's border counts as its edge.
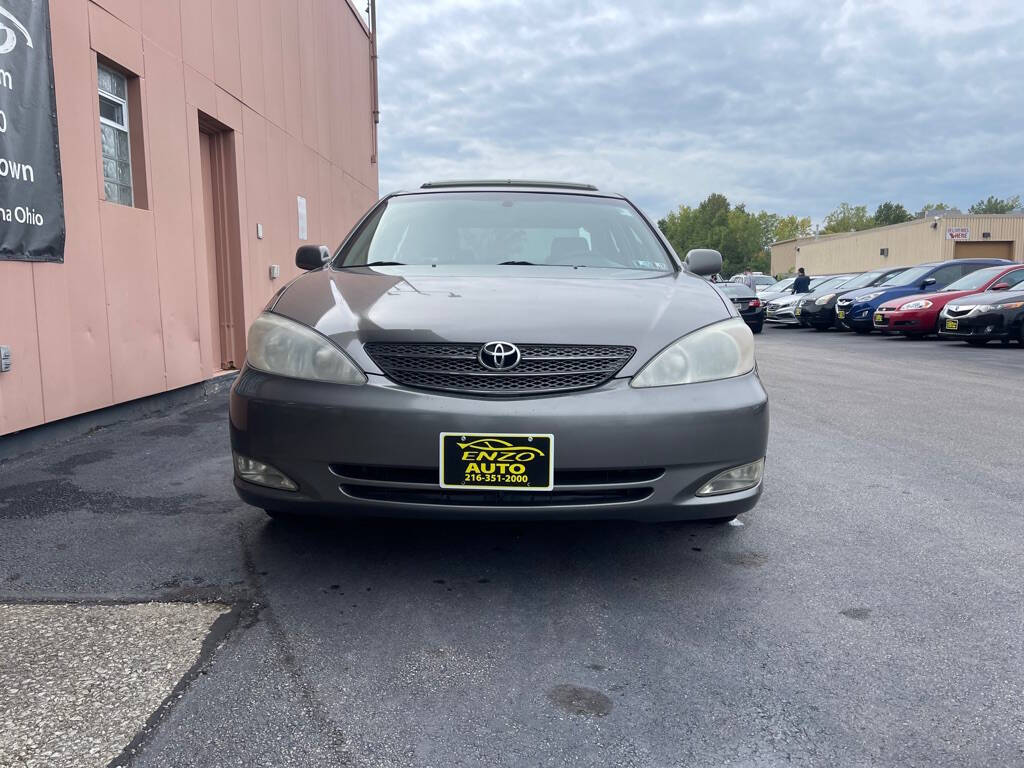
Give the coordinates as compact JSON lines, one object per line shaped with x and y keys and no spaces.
{"x":952,"y":236}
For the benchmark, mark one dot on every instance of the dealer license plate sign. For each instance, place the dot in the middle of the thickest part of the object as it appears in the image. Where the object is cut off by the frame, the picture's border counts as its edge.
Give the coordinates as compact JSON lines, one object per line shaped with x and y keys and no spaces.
{"x":952,"y":325}
{"x":497,"y":462}
{"x":841,"y":314}
{"x":879,"y":318}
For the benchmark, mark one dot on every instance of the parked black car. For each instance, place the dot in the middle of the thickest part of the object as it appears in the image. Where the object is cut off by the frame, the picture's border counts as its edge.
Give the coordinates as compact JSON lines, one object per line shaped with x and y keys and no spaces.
{"x":984,"y":317}
{"x":750,"y":307}
{"x":818,"y":309}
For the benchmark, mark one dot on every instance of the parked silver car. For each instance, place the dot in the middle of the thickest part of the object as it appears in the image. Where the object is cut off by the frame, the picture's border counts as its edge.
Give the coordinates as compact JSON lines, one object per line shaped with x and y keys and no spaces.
{"x":781,"y":309}
{"x":486,"y":349}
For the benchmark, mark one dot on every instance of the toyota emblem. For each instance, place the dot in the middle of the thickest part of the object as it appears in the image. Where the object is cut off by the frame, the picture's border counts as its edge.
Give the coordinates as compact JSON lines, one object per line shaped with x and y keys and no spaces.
{"x":499,"y":356}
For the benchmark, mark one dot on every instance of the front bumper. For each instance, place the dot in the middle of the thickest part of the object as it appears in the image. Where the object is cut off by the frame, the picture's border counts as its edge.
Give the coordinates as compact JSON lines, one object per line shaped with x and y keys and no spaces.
{"x":625,"y":453}
{"x":855,"y":315}
{"x":990,"y":325}
{"x":782,"y":315}
{"x":818,"y":315}
{"x":913,"y":321}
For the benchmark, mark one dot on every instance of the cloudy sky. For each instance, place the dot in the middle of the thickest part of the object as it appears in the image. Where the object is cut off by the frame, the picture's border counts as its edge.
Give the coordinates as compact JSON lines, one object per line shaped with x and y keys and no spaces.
{"x":790,"y":106}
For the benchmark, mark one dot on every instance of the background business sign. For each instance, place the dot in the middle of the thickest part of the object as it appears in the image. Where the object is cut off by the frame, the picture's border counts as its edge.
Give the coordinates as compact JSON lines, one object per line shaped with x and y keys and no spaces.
{"x":31,"y":194}
{"x":958,"y":233}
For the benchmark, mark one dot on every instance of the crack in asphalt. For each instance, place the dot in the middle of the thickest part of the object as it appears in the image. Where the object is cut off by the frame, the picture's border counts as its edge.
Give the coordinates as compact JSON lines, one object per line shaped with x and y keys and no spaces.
{"x":316,"y":708}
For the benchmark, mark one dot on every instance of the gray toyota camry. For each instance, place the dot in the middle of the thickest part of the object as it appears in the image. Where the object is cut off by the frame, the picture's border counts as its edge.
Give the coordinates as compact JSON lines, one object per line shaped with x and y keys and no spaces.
{"x":501,"y":349}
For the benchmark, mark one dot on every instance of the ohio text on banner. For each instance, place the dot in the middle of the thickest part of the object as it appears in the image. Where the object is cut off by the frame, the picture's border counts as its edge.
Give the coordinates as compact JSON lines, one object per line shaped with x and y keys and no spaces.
{"x":31,"y":193}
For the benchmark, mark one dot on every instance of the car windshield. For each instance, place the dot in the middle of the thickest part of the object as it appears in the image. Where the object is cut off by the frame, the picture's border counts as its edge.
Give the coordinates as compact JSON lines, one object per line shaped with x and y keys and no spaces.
{"x":911,"y":276}
{"x":782,"y":284}
{"x":831,"y":282}
{"x":974,"y":280}
{"x":863,"y":281}
{"x":506,"y":228}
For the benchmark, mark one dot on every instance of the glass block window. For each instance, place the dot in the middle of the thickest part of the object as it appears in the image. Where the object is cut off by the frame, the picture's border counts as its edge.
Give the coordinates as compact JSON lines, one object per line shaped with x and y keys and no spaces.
{"x":117,"y":160}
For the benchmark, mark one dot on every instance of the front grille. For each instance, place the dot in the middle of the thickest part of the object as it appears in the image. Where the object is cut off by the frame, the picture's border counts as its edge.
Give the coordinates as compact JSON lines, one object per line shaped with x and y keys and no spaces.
{"x":429,"y":475}
{"x":543,"y":368}
{"x":443,"y":497}
{"x":958,"y":312}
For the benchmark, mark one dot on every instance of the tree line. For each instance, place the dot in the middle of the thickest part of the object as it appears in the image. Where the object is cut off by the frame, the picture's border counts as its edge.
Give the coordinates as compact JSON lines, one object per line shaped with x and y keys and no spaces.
{"x":744,"y":238}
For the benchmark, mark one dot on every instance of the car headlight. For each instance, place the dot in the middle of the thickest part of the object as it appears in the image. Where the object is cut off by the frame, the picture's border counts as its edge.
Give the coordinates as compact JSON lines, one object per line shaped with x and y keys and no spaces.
{"x":919,"y":304}
{"x":869,"y":296}
{"x":718,"y":351}
{"x":984,"y":307}
{"x":824,"y":299}
{"x":287,"y":348}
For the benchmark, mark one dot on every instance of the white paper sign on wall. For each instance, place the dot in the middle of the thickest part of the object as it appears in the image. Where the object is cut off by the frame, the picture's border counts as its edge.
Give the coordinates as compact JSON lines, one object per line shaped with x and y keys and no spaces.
{"x":303,"y":231}
{"x":958,"y":233}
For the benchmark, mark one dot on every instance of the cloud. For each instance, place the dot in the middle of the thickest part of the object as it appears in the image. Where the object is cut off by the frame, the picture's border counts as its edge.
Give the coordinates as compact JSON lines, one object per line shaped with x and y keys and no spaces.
{"x":790,"y":106}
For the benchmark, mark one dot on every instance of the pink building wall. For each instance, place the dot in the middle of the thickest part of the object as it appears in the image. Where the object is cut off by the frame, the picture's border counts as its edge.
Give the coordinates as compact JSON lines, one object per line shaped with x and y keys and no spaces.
{"x":128,"y":313}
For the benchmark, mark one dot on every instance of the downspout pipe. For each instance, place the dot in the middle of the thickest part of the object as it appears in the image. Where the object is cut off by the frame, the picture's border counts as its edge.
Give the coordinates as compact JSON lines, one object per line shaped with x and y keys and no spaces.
{"x":375,"y":105}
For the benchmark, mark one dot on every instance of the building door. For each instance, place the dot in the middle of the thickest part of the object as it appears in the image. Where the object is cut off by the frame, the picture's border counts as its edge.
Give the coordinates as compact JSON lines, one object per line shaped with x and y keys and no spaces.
{"x":984,"y":249}
{"x":223,"y":251}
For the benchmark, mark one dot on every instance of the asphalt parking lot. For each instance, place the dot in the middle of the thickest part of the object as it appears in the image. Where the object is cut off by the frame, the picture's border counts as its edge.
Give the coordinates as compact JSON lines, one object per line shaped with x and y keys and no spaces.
{"x":869,"y":612}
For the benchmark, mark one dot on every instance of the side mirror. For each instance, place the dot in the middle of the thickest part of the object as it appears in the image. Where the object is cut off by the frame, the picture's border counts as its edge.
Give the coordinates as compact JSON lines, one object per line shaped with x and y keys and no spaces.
{"x":704,"y":261}
{"x":927,"y":281}
{"x":1000,"y":287}
{"x":312,"y":256}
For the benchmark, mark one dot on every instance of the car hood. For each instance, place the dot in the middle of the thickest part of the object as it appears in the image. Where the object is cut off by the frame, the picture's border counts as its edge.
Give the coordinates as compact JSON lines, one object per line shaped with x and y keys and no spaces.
{"x":886,"y":293}
{"x":989,"y":297}
{"x":938,"y":299}
{"x":787,"y":301}
{"x":520,"y":304}
{"x":767,"y":296}
{"x":833,"y":292}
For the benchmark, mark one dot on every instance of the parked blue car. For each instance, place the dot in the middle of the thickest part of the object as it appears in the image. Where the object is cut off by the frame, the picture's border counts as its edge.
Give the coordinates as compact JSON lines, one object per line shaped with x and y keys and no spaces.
{"x":855,"y":309}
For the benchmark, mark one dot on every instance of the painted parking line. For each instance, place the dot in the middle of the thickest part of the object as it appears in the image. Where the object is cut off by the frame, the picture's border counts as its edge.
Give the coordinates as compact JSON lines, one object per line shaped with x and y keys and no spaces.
{"x":79,"y":682}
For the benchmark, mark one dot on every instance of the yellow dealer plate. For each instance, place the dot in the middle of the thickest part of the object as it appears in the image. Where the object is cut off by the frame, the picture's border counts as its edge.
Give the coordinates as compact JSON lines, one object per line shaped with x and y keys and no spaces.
{"x":497,"y":462}
{"x":952,"y":325}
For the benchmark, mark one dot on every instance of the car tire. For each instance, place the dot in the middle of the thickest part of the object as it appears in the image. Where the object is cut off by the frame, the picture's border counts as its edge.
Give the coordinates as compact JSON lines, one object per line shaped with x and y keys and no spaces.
{"x":977,"y":342}
{"x":757,"y":328}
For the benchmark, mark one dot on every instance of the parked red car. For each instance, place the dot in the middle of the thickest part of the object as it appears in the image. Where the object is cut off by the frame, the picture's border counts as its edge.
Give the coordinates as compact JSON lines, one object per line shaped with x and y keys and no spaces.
{"x":919,"y":315}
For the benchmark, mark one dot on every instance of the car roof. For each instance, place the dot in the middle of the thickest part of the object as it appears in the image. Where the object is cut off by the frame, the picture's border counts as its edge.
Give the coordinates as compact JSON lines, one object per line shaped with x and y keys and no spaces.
{"x":510,"y":185}
{"x":987,"y":262}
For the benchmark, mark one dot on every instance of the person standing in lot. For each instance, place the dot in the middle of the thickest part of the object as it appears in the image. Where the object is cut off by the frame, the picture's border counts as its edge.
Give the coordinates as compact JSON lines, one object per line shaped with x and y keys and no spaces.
{"x":748,"y":280}
{"x":802,"y":284}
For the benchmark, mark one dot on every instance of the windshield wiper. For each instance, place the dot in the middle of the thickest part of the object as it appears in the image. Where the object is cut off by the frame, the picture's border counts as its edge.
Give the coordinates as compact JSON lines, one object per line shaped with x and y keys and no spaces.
{"x":535,"y":264}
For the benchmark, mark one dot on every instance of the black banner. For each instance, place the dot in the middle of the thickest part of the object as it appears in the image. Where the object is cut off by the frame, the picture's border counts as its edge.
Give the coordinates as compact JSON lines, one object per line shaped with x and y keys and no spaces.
{"x":31,"y":193}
